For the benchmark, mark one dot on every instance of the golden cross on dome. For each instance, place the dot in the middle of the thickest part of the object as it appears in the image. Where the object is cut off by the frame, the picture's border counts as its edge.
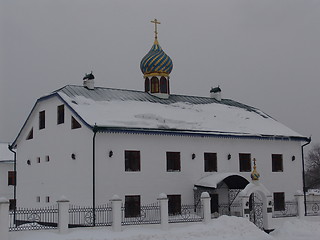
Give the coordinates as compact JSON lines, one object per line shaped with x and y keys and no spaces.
{"x":254,"y":162}
{"x":155,"y":21}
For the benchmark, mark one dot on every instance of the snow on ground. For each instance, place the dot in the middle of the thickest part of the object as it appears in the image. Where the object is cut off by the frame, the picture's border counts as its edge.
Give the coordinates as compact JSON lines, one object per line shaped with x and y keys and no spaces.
{"x":226,"y":228}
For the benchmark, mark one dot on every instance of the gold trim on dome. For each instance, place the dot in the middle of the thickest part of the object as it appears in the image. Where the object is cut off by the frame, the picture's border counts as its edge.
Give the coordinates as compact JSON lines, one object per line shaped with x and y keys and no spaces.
{"x":154,"y":74}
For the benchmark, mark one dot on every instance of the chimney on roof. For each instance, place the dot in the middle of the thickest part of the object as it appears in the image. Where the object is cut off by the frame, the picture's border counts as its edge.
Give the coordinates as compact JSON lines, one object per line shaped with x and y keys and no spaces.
{"x":88,"y":81}
{"x":216,"y":93}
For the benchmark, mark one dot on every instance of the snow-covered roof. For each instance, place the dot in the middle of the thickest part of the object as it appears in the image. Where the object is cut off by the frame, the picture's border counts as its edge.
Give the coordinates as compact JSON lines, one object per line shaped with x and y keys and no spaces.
{"x":115,"y":108}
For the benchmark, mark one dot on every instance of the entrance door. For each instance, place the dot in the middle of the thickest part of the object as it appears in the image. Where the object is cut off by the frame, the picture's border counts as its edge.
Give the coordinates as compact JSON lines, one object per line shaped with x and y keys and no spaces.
{"x":256,"y":212}
{"x":214,"y":203}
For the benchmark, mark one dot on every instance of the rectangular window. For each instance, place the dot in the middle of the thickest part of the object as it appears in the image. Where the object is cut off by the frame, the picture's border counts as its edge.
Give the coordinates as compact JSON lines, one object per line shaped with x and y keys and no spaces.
{"x":245,"y":162}
{"x":210,"y":162}
{"x":278,"y":199}
{"x":173,"y":162}
{"x":42,"y":120}
{"x":38,"y":199}
{"x":132,"y":161}
{"x":47,"y":199}
{"x":174,"y":204}
{"x":30,"y":134}
{"x":74,"y":123}
{"x":47,"y":158}
{"x":132,"y":206}
{"x":11,"y":178}
{"x":12,"y":204}
{"x":277,"y":163}
{"x":60,"y":114}
{"x":38,"y":159}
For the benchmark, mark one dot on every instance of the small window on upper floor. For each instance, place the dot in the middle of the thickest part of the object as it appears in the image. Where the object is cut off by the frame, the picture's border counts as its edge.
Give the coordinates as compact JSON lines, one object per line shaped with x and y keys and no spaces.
{"x":38,"y":199}
{"x":74,"y":123}
{"x":42,"y":119}
{"x":277,"y":163}
{"x":60,"y":114}
{"x":30,"y":134}
{"x":132,"y":161}
{"x":245,"y":162}
{"x":210,"y":162}
{"x":47,"y":199}
{"x":173,"y":162}
{"x":47,"y":158}
{"x":38,"y":159}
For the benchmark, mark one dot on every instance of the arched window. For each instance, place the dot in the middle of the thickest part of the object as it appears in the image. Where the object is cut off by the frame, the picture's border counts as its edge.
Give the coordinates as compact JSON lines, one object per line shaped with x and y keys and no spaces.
{"x":163,"y":85}
{"x":154,"y":85}
{"x":146,"y":85}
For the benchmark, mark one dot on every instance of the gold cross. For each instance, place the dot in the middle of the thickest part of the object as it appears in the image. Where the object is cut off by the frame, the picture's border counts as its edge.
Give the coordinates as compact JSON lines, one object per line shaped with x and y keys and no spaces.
{"x":254,"y":162}
{"x":155,"y":21}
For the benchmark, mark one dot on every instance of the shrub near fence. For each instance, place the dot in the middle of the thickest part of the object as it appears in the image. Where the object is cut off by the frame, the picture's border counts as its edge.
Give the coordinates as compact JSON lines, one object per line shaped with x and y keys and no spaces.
{"x":33,"y":219}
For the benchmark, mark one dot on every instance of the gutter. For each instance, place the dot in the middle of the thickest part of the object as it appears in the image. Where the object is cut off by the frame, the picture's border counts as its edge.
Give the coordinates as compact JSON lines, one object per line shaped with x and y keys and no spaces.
{"x":95,"y":130}
{"x":304,"y":177}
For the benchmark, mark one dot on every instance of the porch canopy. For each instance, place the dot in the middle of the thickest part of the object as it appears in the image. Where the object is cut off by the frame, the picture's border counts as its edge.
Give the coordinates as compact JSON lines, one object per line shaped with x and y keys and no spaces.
{"x":232,"y":180}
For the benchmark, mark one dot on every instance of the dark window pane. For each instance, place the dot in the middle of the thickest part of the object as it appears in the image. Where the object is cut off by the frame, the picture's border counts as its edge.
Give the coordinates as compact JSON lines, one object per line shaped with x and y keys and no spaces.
{"x":277,"y":163}
{"x":11,"y":178}
{"x":163,"y":85}
{"x":279,"y":203}
{"x":132,"y":161}
{"x":132,"y":206}
{"x":245,"y":162}
{"x":146,"y":85}
{"x":154,"y":85}
{"x":210,"y":162}
{"x":60,"y":114}
{"x":12,"y":204}
{"x":173,"y":162}
{"x":174,"y":204}
{"x":42,"y":120}
{"x":30,"y":134}
{"x":74,"y":123}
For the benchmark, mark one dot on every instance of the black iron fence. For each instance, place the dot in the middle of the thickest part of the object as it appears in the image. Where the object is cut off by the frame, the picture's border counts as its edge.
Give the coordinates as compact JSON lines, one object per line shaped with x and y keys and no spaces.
{"x":235,"y":209}
{"x":148,"y":214}
{"x":22,"y":219}
{"x":188,"y":213}
{"x":290,"y":210}
{"x":313,"y":208}
{"x":89,"y":217}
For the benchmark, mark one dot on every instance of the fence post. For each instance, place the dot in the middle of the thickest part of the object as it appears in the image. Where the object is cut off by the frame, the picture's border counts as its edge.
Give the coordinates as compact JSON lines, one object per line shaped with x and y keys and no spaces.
{"x":300,"y":201}
{"x":4,"y":219}
{"x":164,"y":214}
{"x":116,"y":213}
{"x":206,"y":199}
{"x":63,"y":222}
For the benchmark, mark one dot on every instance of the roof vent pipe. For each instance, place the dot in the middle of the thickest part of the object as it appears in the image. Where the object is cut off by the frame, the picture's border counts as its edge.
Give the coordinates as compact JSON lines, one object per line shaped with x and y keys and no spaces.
{"x":88,"y":81}
{"x":216,"y":93}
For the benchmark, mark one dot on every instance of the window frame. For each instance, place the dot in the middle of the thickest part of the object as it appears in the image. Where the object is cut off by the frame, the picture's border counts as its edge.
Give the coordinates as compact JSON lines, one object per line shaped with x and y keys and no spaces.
{"x":60,"y":114}
{"x":174,"y":204}
{"x":245,"y":162}
{"x":173,"y":161}
{"x":42,"y":119}
{"x":132,"y":206}
{"x":277,"y":162}
{"x":74,"y":123}
{"x":12,"y":178}
{"x":132,"y":161}
{"x":210,"y":162}
{"x":279,"y":201}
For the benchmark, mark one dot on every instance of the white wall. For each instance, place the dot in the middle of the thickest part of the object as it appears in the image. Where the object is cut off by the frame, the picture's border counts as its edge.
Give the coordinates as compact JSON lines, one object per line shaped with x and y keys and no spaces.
{"x":61,"y":175}
{"x":153,"y":178}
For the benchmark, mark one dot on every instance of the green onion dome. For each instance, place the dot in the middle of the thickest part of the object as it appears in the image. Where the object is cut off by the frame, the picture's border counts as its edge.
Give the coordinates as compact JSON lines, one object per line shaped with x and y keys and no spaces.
{"x":156,"y":62}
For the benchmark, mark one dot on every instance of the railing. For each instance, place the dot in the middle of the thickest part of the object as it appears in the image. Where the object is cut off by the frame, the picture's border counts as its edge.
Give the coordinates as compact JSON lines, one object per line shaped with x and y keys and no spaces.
{"x":231,"y":210}
{"x":188,"y":213}
{"x":84,"y":216}
{"x":149,"y":214}
{"x":313,"y":208}
{"x":290,"y":210}
{"x":22,"y":219}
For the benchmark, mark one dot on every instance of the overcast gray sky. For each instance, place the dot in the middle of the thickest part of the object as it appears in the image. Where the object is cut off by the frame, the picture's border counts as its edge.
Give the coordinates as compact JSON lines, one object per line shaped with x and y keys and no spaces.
{"x":264,"y":53}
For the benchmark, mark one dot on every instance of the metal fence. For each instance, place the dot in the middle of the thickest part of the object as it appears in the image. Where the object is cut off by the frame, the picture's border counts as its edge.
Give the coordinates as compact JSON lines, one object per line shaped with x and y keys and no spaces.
{"x":235,"y":209}
{"x":22,"y":219}
{"x":149,"y":214}
{"x":313,"y":208}
{"x":188,"y":213}
{"x":290,"y":210}
{"x":88,"y":217}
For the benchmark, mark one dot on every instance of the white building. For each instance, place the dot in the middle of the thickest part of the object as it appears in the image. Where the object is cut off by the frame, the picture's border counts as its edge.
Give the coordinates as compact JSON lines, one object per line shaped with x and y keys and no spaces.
{"x":7,"y":177}
{"x":89,"y":143}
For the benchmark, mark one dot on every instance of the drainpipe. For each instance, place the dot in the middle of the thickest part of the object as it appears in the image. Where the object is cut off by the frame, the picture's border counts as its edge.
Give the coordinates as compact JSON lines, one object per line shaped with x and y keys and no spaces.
{"x":95,"y":129}
{"x":15,"y":181}
{"x":304,"y":177}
